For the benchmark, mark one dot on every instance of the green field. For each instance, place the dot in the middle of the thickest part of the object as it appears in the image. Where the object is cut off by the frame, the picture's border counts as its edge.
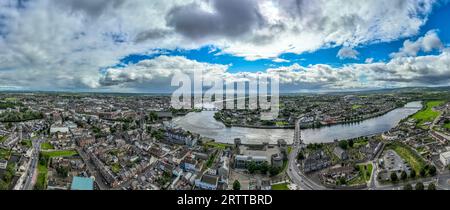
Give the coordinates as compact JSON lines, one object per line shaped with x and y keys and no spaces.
{"x":4,"y":154}
{"x":356,"y":106}
{"x":26,"y":143}
{"x":60,"y":153}
{"x":217,"y":145}
{"x":2,"y":138}
{"x":44,"y":158}
{"x":447,"y":125}
{"x":427,"y":115}
{"x":11,"y":99}
{"x":115,"y":168}
{"x":289,"y":149}
{"x":281,"y":123}
{"x":365,"y":172}
{"x":42,"y":176}
{"x":283,"y":186}
{"x":46,"y":146}
{"x":414,"y":160}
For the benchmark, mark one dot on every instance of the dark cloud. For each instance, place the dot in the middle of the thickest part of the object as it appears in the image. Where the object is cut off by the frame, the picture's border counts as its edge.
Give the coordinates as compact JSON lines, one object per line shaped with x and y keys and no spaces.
{"x":230,"y":18}
{"x":90,"y":7}
{"x":151,"y":35}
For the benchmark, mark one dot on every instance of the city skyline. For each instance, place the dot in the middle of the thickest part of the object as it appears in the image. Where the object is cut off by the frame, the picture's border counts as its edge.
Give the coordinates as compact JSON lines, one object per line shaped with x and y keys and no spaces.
{"x":137,"y":46}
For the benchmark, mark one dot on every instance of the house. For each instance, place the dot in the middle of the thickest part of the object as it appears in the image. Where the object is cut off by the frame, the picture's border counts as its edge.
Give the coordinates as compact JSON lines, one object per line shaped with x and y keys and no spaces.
{"x":178,"y":136}
{"x":189,"y":164}
{"x":207,"y":182}
{"x":445,"y":158}
{"x":340,"y":153}
{"x":315,"y":161}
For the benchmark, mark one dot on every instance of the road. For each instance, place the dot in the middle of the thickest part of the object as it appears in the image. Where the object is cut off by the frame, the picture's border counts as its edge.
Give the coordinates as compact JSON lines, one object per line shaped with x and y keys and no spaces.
{"x":31,"y":175}
{"x":101,"y":183}
{"x":296,"y":175}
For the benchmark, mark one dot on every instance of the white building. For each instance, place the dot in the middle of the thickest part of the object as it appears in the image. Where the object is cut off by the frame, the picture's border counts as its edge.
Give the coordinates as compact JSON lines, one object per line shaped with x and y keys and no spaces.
{"x":445,"y":158}
{"x":58,"y":128}
{"x":3,"y":164}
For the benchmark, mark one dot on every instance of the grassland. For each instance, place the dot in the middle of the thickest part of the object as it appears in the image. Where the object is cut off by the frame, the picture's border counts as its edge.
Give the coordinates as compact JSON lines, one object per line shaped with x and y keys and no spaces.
{"x":356,"y":106}
{"x":365,"y":172}
{"x":216,"y":145}
{"x":281,"y":123}
{"x":447,"y":125}
{"x":283,"y":186}
{"x":413,"y":159}
{"x":42,"y":176}
{"x":427,"y":114}
{"x":4,"y":154}
{"x":2,"y":138}
{"x":60,"y":153}
{"x":26,"y":143}
{"x":46,"y":146}
{"x":44,"y":159}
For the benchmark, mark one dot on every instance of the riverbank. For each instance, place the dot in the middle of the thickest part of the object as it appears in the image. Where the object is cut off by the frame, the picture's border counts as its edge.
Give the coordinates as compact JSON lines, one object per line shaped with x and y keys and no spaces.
{"x":204,"y":124}
{"x":313,"y":125}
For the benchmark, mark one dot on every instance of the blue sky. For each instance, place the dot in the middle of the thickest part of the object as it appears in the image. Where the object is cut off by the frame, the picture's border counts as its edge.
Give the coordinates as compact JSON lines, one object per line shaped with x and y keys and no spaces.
{"x":377,"y":51}
{"x":138,"y":46}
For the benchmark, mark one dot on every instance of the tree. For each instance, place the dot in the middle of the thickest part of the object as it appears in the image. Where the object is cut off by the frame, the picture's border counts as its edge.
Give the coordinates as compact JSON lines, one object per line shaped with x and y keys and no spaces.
{"x":408,"y":187}
{"x":432,"y":170}
{"x":423,"y":172}
{"x":351,"y":142}
{"x":394,"y":177}
{"x":251,"y":167}
{"x":274,"y":171}
{"x":431,"y":186}
{"x":236,"y":185}
{"x":419,"y":186}
{"x":300,"y":156}
{"x":403,"y":175}
{"x":343,"y":144}
{"x":412,"y":174}
{"x":264,"y":167}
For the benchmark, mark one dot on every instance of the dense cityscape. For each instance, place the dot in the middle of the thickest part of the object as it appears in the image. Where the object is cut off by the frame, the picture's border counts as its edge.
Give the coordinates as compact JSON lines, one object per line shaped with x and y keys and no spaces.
{"x":63,"y":141}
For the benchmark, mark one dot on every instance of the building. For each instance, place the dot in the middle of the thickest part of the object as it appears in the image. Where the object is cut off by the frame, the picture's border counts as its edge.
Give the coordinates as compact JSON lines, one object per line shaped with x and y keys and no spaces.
{"x":82,"y":183}
{"x":340,"y":153}
{"x":282,"y":144}
{"x":58,"y":128}
{"x":189,"y":164}
{"x":241,"y":161}
{"x":445,"y":158}
{"x":3,"y":164}
{"x":277,"y":160}
{"x":316,"y":161}
{"x":178,"y":136}
{"x":207,"y":182}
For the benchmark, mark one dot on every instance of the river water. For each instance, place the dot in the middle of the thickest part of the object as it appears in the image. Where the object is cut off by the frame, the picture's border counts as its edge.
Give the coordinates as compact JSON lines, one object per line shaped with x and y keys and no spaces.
{"x":204,"y":124}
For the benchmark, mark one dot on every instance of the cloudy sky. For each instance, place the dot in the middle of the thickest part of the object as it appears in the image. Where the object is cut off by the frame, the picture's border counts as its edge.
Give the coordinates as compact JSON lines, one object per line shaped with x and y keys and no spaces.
{"x":138,"y":45}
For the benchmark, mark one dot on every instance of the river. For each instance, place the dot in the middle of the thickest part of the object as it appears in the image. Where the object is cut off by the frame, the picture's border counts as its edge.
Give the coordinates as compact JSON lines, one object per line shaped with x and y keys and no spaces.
{"x":204,"y":124}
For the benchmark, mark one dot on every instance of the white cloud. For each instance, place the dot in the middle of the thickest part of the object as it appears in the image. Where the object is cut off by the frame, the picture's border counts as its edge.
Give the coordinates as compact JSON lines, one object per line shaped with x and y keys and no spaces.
{"x":346,"y":52}
{"x":280,"y":60}
{"x":429,"y":42}
{"x":369,"y":60}
{"x":45,"y":44}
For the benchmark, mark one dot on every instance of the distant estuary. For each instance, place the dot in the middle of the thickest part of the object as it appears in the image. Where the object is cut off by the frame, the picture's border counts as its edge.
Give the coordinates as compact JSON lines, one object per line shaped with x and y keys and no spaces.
{"x":204,"y":124}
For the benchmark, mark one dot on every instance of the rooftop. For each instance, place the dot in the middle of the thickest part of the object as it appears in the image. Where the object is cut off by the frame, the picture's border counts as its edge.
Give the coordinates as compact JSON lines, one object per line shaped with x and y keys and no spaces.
{"x":82,"y":183}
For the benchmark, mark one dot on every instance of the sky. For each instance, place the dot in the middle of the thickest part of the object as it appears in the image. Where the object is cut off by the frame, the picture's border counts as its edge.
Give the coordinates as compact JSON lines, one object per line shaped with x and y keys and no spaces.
{"x":139,"y":45}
